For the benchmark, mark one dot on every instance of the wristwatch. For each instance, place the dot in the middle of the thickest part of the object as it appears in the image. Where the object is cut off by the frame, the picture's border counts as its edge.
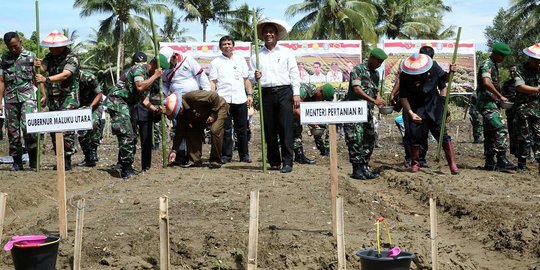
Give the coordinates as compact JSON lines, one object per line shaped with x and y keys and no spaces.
{"x":47,"y":80}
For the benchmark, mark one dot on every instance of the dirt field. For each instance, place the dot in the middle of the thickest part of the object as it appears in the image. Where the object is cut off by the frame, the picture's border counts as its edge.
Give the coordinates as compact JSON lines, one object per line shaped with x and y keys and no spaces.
{"x":487,"y":220}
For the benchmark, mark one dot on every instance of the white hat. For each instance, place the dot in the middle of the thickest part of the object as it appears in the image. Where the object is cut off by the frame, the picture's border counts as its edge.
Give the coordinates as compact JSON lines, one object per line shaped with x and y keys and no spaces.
{"x":282,"y":28}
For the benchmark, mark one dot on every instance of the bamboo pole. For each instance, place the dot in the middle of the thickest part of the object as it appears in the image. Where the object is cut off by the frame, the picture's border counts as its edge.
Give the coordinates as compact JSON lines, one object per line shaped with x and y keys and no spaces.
{"x":334,"y":181}
{"x":253,"y":230}
{"x":258,"y":86}
{"x":61,"y":185}
{"x":79,"y":225}
{"x":164,"y":256}
{"x":342,"y":261}
{"x":161,"y":97}
{"x":3,"y":200}
{"x":447,"y":98}
{"x":433,"y":220}
{"x":38,"y":92}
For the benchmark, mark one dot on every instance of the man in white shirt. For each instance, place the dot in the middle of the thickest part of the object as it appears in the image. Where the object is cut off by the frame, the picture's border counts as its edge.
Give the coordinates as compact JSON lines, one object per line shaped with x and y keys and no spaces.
{"x":278,"y":74}
{"x":229,"y":77}
{"x":317,"y":76}
{"x":304,"y":75}
{"x":334,"y":75}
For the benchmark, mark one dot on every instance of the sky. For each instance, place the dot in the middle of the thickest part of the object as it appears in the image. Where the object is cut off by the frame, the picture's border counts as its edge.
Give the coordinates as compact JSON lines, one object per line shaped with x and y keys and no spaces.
{"x":472,"y":15}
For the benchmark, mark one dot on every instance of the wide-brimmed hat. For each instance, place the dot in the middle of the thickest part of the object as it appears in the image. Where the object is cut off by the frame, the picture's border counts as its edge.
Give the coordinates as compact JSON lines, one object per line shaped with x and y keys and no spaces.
{"x":533,"y":51}
{"x":56,"y":39}
{"x":416,"y":64}
{"x":281,"y":26}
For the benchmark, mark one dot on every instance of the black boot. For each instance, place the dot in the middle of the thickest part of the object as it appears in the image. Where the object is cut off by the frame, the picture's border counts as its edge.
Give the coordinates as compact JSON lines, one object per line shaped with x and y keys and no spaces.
{"x":32,"y":158}
{"x":67,"y":163}
{"x":368,"y":173}
{"x":87,"y":162}
{"x":490,"y":163}
{"x":93,"y":155}
{"x":522,"y":164}
{"x":127,"y":171}
{"x":17,"y":164}
{"x":503,"y":163}
{"x":299,"y":157}
{"x":357,"y":172}
{"x":325,"y":152}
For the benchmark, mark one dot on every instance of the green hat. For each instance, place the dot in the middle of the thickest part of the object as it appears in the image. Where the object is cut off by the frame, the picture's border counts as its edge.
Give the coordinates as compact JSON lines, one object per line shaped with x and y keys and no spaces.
{"x":379,"y":54}
{"x":328,"y":92}
{"x":163,"y":63}
{"x":501,"y":49}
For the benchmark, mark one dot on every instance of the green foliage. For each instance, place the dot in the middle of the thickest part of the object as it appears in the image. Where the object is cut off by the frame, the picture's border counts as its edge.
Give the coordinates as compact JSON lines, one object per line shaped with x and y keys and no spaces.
{"x":204,"y":11}
{"x":29,"y":44}
{"x":238,"y":22}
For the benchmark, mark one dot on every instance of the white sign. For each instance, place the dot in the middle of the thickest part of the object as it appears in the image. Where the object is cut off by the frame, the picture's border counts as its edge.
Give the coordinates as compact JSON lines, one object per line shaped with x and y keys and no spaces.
{"x":333,"y":112}
{"x":59,"y":121}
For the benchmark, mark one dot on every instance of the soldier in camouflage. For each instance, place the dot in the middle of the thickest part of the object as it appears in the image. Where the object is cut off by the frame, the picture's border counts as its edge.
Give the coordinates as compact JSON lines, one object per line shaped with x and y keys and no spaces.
{"x":509,"y":91}
{"x":360,"y":137}
{"x":90,"y":97}
{"x":476,"y":119}
{"x":16,"y":88}
{"x":488,"y":93}
{"x":121,"y":104}
{"x":310,"y":93}
{"x":527,"y":107}
{"x":62,"y":84}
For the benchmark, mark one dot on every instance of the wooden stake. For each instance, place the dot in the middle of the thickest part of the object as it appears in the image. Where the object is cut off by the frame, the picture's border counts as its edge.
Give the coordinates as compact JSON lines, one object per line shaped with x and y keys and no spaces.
{"x":79,"y":224}
{"x":334,"y":182}
{"x":3,"y":200}
{"x":61,"y":185}
{"x":342,"y":261}
{"x":433,"y":220}
{"x":253,"y":230}
{"x":164,"y":256}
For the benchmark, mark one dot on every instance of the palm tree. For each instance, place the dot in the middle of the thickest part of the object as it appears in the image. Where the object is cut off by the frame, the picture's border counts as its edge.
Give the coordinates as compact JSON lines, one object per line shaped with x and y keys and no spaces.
{"x":121,"y":13}
{"x":204,"y":11}
{"x":526,"y":14}
{"x":100,"y":53}
{"x":238,"y":22}
{"x":334,"y":19}
{"x":172,"y":31}
{"x":77,"y":45}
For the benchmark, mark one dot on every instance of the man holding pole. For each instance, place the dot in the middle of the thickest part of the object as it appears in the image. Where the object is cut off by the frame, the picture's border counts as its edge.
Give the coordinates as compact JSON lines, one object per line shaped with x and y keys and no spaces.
{"x":488,"y":94}
{"x":16,"y":75}
{"x":90,"y":97}
{"x":360,"y":137}
{"x":280,"y":81}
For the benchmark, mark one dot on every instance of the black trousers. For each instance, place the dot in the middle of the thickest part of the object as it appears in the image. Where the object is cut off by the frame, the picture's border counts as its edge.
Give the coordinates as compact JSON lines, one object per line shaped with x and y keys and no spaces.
{"x":238,"y":116}
{"x":407,"y":138}
{"x":278,"y":121}
{"x":146,"y":133}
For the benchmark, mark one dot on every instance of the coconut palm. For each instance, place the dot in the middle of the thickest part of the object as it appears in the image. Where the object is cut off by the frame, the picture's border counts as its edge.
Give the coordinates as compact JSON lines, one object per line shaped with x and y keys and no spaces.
{"x":121,"y":14}
{"x":100,"y":53}
{"x":77,"y":45}
{"x":204,"y":11}
{"x":171,"y":30}
{"x":526,"y":14}
{"x":334,"y":19}
{"x":238,"y":22}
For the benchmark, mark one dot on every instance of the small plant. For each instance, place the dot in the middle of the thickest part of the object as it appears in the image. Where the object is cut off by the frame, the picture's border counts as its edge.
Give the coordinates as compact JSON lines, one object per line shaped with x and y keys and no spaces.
{"x":219,"y":265}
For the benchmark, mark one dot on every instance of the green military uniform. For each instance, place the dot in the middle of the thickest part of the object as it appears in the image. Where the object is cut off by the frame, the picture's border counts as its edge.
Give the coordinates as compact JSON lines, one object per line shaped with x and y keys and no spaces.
{"x":476,"y":119}
{"x":322,"y":143}
{"x":527,"y":113}
{"x":89,"y":88}
{"x":20,"y":98}
{"x":63,"y":95}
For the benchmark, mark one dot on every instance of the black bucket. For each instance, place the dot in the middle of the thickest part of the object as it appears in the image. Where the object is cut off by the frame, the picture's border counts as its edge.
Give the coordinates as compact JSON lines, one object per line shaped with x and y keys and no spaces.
{"x":370,"y":261}
{"x":36,"y":257}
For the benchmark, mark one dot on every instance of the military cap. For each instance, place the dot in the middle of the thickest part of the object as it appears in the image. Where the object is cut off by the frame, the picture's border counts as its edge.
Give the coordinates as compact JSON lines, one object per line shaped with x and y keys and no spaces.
{"x":501,"y":49}
{"x":379,"y":54}
{"x":139,"y":57}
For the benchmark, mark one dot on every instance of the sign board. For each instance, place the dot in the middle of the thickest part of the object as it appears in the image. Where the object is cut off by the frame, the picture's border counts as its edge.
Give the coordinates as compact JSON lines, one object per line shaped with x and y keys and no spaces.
{"x":59,"y":121}
{"x":333,"y":112}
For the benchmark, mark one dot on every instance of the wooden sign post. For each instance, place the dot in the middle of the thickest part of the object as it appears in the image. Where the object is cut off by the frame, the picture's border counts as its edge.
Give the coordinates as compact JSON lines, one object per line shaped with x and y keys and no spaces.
{"x":253,"y":230}
{"x":3,"y":200}
{"x":342,"y":261}
{"x":79,"y":224}
{"x":58,"y":122}
{"x":434,"y":245}
{"x":164,"y":255}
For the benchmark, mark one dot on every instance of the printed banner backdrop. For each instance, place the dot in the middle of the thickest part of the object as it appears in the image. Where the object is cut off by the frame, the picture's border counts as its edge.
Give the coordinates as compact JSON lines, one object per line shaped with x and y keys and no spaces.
{"x":465,"y":77}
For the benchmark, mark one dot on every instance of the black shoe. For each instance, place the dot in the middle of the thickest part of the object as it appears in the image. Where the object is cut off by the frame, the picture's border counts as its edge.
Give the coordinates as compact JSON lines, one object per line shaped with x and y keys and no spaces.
{"x":127,"y":172}
{"x":275,"y":167}
{"x":87,"y":162}
{"x":503,"y":163}
{"x":490,"y":164}
{"x":17,"y":164}
{"x":424,"y":163}
{"x":286,"y":169}
{"x":522,"y":165}
{"x":117,"y":166}
{"x":357,"y":172}
{"x":246,"y":159}
{"x":300,"y":158}
{"x":191,"y":165}
{"x":325,"y":152}
{"x":67,"y":163}
{"x":213,"y":165}
{"x":367,"y":171}
{"x":225,"y":160}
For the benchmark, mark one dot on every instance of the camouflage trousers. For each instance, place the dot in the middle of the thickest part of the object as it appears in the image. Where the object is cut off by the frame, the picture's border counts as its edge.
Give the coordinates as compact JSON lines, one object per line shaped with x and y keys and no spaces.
{"x":89,"y":139}
{"x":360,"y":139}
{"x":123,"y":125}
{"x":527,"y":130}
{"x":476,"y":121}
{"x":61,"y":103}
{"x":16,"y":127}
{"x":157,"y":133}
{"x":320,"y":142}
{"x":495,"y":133}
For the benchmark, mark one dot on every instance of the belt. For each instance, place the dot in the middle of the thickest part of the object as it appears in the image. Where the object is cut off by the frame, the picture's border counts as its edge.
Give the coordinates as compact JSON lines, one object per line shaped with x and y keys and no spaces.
{"x":274,"y":89}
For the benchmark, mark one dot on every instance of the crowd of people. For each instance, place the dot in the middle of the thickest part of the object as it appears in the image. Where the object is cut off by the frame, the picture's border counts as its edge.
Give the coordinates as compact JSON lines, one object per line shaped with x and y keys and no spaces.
{"x":220,"y":101}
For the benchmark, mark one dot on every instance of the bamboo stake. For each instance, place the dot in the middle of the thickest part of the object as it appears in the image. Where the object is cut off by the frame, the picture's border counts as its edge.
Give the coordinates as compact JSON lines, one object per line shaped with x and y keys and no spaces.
{"x":61,"y":185}
{"x":447,"y":99}
{"x":253,"y":230}
{"x":256,"y":45}
{"x":41,"y":86}
{"x":164,"y":256}
{"x":342,"y":261}
{"x":161,"y":97}
{"x":433,"y":220}
{"x":334,"y":181}
{"x":3,"y":200}
{"x":79,"y":225}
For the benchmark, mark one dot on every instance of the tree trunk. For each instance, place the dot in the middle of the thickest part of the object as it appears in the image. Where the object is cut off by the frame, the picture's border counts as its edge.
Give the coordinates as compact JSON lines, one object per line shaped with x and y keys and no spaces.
{"x":204,"y":26}
{"x":120,"y":55}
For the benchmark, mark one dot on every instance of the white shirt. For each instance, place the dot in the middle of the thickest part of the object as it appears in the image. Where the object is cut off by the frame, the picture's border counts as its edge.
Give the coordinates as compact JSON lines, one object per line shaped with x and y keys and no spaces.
{"x":230,"y":74}
{"x":334,"y":76}
{"x":304,"y":76}
{"x":278,"y":67}
{"x":317,"y":78}
{"x":185,"y":77}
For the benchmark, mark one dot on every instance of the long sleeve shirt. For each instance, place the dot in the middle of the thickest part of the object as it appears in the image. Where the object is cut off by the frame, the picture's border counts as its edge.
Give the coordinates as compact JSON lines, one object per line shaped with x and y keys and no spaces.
{"x":278,"y":67}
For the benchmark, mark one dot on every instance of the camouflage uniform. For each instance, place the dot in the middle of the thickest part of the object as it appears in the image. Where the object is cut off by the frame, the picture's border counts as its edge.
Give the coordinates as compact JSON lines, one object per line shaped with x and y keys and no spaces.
{"x":121,"y":104}
{"x":321,"y":143}
{"x":527,"y":113}
{"x":20,"y":98}
{"x":476,"y":119}
{"x":89,"y":88}
{"x":360,"y":137}
{"x":63,"y":95}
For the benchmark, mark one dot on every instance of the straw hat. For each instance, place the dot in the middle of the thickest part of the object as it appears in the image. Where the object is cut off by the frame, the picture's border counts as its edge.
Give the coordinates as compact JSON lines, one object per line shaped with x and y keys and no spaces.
{"x":416,"y":64}
{"x":533,"y":51}
{"x":280,"y":25}
{"x":56,"y":39}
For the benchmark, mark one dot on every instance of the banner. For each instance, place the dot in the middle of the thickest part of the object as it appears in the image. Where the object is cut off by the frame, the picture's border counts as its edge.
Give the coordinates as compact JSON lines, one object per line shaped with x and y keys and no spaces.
{"x":465,"y":76}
